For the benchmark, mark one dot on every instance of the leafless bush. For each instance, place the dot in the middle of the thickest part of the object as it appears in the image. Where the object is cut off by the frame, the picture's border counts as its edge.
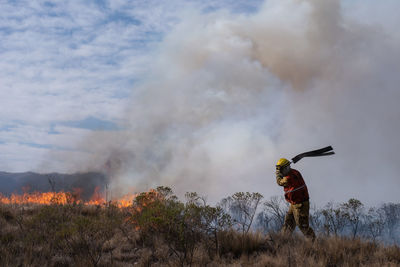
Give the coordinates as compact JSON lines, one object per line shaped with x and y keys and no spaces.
{"x":334,"y":219}
{"x":272,"y":215}
{"x":242,"y":207}
{"x":374,"y":223}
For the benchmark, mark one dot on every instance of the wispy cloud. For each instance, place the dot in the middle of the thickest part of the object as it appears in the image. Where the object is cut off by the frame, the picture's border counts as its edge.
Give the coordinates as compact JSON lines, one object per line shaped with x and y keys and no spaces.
{"x":75,"y":64}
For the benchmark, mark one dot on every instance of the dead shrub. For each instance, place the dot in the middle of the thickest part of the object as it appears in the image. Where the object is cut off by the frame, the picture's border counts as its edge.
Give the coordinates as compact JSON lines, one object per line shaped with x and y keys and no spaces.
{"x":235,"y":243}
{"x":6,"y":213}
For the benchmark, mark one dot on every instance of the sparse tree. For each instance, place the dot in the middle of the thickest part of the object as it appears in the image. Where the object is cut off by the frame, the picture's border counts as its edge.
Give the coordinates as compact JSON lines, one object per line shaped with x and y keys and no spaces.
{"x":316,"y":219}
{"x":264,"y":220}
{"x":242,"y":207}
{"x":334,"y":220}
{"x":374,"y":223}
{"x":391,"y":213}
{"x":352,"y":212}
{"x":52,"y":183}
{"x":274,"y":209}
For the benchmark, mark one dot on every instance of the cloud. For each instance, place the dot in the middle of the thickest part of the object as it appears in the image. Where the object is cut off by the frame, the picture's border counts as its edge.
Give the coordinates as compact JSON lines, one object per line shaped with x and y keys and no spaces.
{"x":70,"y":61}
{"x":92,"y":123}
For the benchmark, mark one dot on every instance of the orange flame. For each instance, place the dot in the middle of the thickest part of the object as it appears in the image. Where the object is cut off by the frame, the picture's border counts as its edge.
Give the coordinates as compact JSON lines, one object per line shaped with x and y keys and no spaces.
{"x":62,"y":198}
{"x":37,"y":198}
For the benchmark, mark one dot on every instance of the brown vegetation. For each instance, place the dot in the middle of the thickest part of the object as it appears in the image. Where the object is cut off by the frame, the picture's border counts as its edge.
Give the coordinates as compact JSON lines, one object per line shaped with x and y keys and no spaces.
{"x":159,"y":230}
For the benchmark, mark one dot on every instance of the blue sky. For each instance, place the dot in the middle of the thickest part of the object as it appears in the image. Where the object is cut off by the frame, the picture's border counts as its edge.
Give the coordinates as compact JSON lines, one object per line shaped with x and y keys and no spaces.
{"x":68,"y":68}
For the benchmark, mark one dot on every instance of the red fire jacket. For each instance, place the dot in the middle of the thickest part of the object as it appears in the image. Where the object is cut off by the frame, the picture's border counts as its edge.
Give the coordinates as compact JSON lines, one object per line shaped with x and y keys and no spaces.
{"x":295,"y":188}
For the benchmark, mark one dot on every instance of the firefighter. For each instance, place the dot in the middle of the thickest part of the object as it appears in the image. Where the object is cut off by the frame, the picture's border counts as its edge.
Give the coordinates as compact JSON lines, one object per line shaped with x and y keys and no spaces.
{"x":296,"y":194}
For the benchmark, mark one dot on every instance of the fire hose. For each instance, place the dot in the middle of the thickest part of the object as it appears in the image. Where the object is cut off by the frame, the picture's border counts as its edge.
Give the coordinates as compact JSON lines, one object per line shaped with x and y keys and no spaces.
{"x":326,"y":151}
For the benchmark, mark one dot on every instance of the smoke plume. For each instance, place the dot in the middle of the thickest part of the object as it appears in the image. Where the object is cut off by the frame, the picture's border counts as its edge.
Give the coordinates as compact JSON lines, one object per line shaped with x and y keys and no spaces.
{"x":230,"y":94}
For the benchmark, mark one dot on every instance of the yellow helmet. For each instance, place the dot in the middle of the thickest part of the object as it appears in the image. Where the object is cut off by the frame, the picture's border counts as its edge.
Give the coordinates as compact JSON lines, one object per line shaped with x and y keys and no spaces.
{"x":282,"y":163}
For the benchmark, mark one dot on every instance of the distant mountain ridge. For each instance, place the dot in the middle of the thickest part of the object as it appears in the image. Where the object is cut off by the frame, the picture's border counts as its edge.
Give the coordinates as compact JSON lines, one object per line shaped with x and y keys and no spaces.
{"x":31,"y":181}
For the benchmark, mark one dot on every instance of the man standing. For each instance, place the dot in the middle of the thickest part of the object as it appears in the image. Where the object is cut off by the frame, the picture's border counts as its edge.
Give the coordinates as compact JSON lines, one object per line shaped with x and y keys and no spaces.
{"x":296,"y":194}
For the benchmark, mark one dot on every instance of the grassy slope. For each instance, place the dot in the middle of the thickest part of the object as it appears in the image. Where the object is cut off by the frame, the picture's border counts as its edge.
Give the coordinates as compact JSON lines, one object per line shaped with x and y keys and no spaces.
{"x":77,"y":235}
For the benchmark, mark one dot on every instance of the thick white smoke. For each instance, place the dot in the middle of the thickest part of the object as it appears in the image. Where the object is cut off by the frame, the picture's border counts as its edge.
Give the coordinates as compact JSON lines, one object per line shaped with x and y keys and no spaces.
{"x":228,"y":95}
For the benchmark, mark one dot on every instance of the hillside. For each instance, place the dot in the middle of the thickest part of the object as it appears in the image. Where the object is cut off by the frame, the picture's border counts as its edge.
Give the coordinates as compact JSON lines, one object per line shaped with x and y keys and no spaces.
{"x":159,"y":230}
{"x":31,"y":181}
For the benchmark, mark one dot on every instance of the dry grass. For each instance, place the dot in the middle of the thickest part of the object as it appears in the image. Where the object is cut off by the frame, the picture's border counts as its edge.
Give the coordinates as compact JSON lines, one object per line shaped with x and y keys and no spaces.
{"x":94,"y":236}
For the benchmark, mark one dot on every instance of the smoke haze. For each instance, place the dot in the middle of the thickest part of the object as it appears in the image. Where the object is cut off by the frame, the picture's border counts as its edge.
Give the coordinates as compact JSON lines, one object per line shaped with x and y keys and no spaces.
{"x":230,"y":94}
